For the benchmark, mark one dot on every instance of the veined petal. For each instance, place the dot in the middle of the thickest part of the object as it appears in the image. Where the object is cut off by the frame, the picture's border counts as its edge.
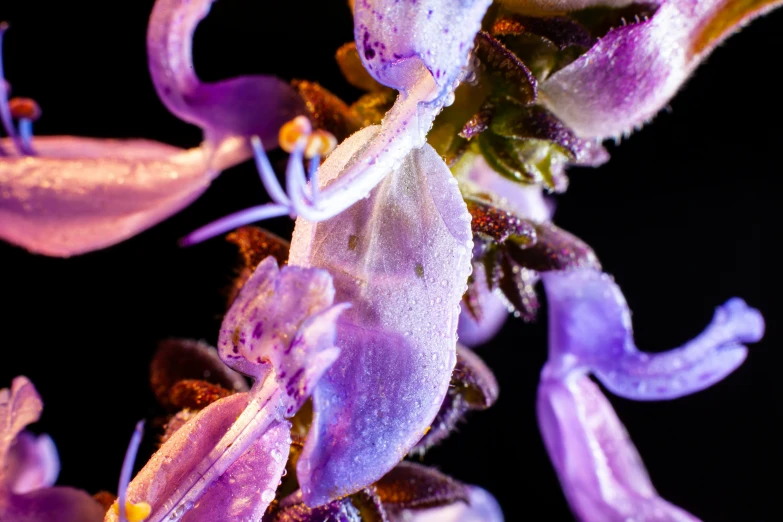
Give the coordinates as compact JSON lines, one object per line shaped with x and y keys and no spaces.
{"x":600,"y":471}
{"x":84,"y":194}
{"x":396,"y":39}
{"x":401,"y":257}
{"x":633,"y":72}
{"x":243,"y":489}
{"x":590,"y":323}
{"x":245,"y":106}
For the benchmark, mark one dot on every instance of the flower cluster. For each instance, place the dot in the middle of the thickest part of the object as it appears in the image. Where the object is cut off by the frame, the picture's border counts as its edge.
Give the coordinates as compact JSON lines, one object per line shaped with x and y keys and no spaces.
{"x":423,"y":220}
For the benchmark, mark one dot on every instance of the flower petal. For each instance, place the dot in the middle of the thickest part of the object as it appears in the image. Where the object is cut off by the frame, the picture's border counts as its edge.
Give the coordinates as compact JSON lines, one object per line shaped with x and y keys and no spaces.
{"x":396,"y":39}
{"x":401,"y":257}
{"x":84,"y":194}
{"x":590,"y":320}
{"x":633,"y":72}
{"x":558,"y":6}
{"x":600,"y":470}
{"x":245,"y":106}
{"x":248,"y":486}
{"x":32,"y":463}
{"x":272,"y":320}
{"x":190,"y":445}
{"x":60,"y":504}
{"x":19,"y":406}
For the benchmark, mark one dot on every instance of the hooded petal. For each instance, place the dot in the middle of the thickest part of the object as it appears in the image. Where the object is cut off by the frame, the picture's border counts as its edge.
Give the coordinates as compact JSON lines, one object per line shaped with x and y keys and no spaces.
{"x":401,"y":257}
{"x":241,"y":490}
{"x":590,"y":320}
{"x":283,"y":318}
{"x":32,"y":463}
{"x":19,"y":406}
{"x":84,"y":194}
{"x":396,"y":39}
{"x":601,"y":473}
{"x":245,"y":106}
{"x":633,"y":72}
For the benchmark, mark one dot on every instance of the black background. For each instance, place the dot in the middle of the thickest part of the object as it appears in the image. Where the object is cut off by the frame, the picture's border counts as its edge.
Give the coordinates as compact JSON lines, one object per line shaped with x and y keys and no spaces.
{"x":685,"y":216}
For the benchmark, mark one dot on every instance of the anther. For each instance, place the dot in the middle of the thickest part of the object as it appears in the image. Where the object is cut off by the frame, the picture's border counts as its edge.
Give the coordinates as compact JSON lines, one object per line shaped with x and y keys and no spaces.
{"x":320,"y":143}
{"x":24,"y":109}
{"x":293,"y":131}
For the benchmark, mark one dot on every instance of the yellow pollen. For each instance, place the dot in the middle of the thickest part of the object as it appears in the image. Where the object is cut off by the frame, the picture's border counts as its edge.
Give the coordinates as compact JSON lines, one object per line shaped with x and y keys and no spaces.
{"x":293,"y":131}
{"x":133,"y":512}
{"x":320,"y":143}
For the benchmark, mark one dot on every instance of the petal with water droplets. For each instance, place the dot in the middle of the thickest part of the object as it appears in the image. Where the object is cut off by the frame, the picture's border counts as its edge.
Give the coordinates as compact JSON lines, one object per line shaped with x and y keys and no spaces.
{"x":401,"y":257}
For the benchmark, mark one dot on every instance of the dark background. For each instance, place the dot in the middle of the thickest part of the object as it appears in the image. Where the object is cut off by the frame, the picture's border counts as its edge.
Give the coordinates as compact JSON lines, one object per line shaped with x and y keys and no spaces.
{"x":685,"y":216}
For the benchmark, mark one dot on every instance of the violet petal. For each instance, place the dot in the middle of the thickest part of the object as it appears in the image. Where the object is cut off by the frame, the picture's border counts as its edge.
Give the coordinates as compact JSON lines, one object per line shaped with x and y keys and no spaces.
{"x":601,"y":473}
{"x":84,"y":194}
{"x":32,"y":463}
{"x":590,"y":320}
{"x":60,"y":504}
{"x":244,"y":106}
{"x":247,"y":487}
{"x":633,"y":72}
{"x":401,"y":257}
{"x":19,"y":406}
{"x":395,"y":39}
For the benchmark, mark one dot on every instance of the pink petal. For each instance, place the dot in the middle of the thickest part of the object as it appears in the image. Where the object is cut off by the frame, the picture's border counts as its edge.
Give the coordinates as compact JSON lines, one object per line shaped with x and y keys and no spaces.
{"x":60,"y":504}
{"x":83,"y":194}
{"x":19,"y":406}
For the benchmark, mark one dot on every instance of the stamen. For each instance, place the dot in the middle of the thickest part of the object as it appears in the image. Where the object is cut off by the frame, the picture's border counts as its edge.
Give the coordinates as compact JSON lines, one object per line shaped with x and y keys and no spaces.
{"x":293,"y":131}
{"x":6,"y":115}
{"x":296,"y":182}
{"x":320,"y":143}
{"x":233,"y":221}
{"x":26,"y":110}
{"x":315,"y":163}
{"x":127,"y":511}
{"x":267,"y":173}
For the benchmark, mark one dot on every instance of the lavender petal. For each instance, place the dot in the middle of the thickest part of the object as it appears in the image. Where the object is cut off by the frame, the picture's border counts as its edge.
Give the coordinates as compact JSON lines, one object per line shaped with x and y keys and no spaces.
{"x":244,"y":106}
{"x":401,"y":258}
{"x":32,"y":463}
{"x":601,"y":473}
{"x":60,"y":504}
{"x":633,"y":72}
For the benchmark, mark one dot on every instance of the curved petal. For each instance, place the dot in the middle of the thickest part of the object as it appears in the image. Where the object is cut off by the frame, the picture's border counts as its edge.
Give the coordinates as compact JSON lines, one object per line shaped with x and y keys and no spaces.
{"x":248,"y":486}
{"x":558,"y":6}
{"x":197,"y":442}
{"x":396,"y":39}
{"x":84,"y":194}
{"x":494,"y":312}
{"x":60,"y":504}
{"x":401,"y":257}
{"x":633,"y":72}
{"x":19,"y":406}
{"x":244,"y":106}
{"x":590,"y":320}
{"x":482,"y":508}
{"x":601,"y":473}
{"x":32,"y":463}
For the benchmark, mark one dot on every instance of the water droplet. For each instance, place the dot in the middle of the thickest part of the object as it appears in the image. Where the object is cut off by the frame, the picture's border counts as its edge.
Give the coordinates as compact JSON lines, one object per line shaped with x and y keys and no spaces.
{"x":268,"y":495}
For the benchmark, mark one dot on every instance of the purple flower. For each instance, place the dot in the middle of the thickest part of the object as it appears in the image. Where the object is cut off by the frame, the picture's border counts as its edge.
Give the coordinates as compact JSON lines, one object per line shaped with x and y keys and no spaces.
{"x":631,"y":73}
{"x":29,"y":466}
{"x":65,"y":195}
{"x":590,"y":332}
{"x":401,"y":258}
{"x":229,"y":458}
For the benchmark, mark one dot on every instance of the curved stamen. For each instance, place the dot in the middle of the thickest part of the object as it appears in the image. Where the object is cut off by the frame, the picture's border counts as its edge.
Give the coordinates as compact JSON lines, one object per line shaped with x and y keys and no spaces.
{"x":6,"y":115}
{"x":315,"y":163}
{"x":137,"y":511}
{"x":235,"y":220}
{"x":267,"y":173}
